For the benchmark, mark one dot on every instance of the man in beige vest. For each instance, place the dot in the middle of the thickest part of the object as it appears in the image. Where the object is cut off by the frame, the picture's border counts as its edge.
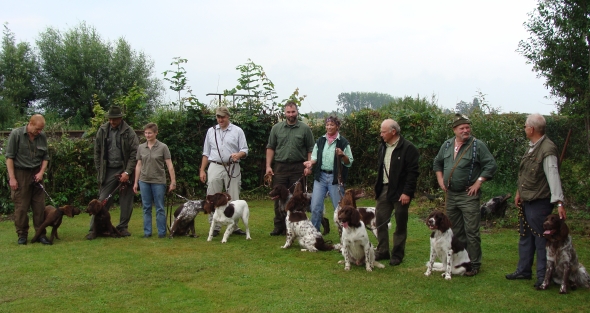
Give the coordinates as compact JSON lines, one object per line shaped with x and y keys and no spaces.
{"x":539,"y":190}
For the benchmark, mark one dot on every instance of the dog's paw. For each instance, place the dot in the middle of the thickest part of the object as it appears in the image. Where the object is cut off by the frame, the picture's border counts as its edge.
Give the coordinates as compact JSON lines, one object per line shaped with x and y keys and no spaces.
{"x":428,"y":272}
{"x":209,"y":238}
{"x":341,"y":262}
{"x":369,"y":268}
{"x":248,"y":238}
{"x":224,"y":241}
{"x":563,"y":289}
{"x":543,"y":286}
{"x":347,"y":267}
{"x":447,"y":276}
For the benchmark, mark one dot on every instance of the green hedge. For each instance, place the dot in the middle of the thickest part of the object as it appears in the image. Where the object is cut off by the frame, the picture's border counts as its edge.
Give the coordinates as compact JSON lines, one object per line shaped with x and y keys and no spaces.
{"x":71,"y":177}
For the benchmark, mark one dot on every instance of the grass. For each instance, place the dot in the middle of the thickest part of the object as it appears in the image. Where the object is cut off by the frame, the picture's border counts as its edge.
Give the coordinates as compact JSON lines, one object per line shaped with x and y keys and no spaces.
{"x":134,"y":274}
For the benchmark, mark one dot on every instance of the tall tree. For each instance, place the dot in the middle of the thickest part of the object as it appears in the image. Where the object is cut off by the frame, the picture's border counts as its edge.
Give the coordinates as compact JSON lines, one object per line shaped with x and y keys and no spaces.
{"x":18,"y":72}
{"x":559,"y":49}
{"x":78,"y":63}
{"x":355,"y":101}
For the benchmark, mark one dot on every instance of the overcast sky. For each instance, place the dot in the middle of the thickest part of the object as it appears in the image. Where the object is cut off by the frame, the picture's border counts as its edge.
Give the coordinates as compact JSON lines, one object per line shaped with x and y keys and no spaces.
{"x":448,"y":48}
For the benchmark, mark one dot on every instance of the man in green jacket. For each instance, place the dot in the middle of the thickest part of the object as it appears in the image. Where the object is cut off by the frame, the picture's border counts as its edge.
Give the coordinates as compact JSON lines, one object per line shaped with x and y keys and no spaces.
{"x":462,"y":164}
{"x":114,"y":158}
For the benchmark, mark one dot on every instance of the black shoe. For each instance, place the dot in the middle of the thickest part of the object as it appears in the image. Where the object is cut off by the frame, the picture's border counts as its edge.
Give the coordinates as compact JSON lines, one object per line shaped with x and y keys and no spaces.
{"x":276,"y":232}
{"x":239,"y":232}
{"x":539,"y":282}
{"x":22,"y":241}
{"x":125,"y":233}
{"x":395,"y":262}
{"x":215,"y":233}
{"x":161,"y":236}
{"x":471,"y":273}
{"x":45,"y":241}
{"x":518,"y":275}
{"x":381,"y":257}
{"x":147,"y":236}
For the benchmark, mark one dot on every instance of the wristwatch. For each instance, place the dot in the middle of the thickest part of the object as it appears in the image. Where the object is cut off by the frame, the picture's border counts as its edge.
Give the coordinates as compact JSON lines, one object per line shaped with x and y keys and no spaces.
{"x":480,"y":179}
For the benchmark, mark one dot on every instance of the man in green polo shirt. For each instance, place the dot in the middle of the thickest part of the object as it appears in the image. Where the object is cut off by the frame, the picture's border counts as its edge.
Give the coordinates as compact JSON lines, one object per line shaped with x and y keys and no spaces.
{"x":462,"y":164}
{"x":26,"y":161}
{"x":290,"y":144}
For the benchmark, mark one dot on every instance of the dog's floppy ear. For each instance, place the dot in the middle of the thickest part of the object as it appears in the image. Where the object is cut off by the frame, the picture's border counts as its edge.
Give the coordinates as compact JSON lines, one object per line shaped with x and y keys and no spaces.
{"x":67,"y":209}
{"x":564,"y":231}
{"x":355,"y":217}
{"x":445,"y":222}
{"x":284,"y":192}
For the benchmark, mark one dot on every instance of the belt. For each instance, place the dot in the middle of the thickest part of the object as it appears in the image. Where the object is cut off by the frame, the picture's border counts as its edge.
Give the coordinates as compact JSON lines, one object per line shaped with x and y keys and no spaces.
{"x":385,"y":184}
{"x":26,"y":169}
{"x":220,"y":163}
{"x":327,"y":172}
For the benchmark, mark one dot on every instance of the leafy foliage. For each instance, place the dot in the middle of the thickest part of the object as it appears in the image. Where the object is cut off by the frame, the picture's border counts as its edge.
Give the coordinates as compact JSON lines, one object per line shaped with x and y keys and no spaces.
{"x":78,"y":63}
{"x":558,"y":51}
{"x":354,"y":101}
{"x":18,"y":73}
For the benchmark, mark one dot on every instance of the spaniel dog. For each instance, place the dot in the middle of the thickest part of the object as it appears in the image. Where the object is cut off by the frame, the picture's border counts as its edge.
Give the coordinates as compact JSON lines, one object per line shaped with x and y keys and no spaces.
{"x":184,"y":218}
{"x":367,"y":214}
{"x":562,"y":261}
{"x":298,"y":226}
{"x":102,"y":225}
{"x":356,"y":247}
{"x":53,"y":217}
{"x":444,"y":245}
{"x":281,"y":193}
{"x":227,"y":213}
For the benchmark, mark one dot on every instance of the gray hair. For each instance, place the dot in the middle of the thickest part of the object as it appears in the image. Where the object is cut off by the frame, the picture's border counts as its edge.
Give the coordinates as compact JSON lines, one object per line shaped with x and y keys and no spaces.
{"x":537,"y":121}
{"x":392,"y":125}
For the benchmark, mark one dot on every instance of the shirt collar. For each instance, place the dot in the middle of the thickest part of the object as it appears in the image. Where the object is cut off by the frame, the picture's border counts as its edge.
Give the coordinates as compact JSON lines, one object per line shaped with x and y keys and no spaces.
{"x":533,"y":145}
{"x":393,"y":144}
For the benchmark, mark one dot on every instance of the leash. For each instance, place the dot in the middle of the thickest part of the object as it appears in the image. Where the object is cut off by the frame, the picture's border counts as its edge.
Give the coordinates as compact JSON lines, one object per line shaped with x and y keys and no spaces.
{"x":47,"y":194}
{"x":340,"y":182}
{"x":231,"y":162}
{"x":523,"y":222}
{"x":104,"y":202}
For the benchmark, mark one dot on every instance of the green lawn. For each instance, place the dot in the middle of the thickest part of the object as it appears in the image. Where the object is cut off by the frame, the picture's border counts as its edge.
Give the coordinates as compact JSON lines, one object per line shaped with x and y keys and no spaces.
{"x":134,"y":274}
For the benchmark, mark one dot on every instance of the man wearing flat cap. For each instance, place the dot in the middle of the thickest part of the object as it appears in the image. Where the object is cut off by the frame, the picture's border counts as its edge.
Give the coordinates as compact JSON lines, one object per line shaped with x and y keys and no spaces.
{"x":225,"y":145}
{"x":115,"y":148}
{"x":462,"y":165}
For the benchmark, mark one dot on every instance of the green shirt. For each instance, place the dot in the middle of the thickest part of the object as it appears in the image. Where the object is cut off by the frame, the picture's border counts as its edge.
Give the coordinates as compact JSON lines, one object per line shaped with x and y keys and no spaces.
{"x":291,"y":143}
{"x":26,"y":153}
{"x":153,"y":162}
{"x":483,"y":166}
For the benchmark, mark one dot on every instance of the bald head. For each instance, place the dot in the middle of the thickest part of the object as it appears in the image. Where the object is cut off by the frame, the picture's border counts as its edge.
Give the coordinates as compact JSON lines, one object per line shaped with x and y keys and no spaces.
{"x":36,"y":124}
{"x":537,"y":122}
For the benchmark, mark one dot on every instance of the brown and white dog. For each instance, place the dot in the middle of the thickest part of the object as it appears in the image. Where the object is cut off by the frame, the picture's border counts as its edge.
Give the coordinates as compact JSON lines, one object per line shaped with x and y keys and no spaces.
{"x":53,"y":218}
{"x":227,"y":213}
{"x":367,"y":213}
{"x":184,"y":218}
{"x":281,"y":193}
{"x":356,"y":247}
{"x":444,"y":245}
{"x":300,"y":227}
{"x":102,"y":225}
{"x":563,"y":267}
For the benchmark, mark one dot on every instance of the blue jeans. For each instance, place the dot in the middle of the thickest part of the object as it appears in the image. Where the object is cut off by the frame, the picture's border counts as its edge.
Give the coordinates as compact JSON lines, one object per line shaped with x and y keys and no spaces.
{"x":153,"y":193}
{"x":317,"y":198}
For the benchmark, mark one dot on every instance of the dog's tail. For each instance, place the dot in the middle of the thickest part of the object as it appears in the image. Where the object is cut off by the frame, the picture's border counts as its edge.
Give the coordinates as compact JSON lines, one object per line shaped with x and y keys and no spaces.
{"x":322,"y":245}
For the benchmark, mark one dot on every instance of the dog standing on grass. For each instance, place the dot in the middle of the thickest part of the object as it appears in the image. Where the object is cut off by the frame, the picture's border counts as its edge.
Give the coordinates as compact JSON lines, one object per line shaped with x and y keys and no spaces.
{"x":53,"y":218}
{"x":227,"y":213}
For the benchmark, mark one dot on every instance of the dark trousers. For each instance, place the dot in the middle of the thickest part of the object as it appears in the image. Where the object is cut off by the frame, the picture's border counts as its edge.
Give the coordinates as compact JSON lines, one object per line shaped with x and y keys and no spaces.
{"x":530,"y":244}
{"x":383,"y":211}
{"x":286,"y":174}
{"x":27,"y":195}
{"x":125,"y":197}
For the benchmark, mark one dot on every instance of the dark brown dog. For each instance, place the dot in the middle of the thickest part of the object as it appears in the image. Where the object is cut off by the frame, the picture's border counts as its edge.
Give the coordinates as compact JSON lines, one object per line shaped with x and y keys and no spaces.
{"x":53,"y":218}
{"x":563,"y":267}
{"x":102,"y":225}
